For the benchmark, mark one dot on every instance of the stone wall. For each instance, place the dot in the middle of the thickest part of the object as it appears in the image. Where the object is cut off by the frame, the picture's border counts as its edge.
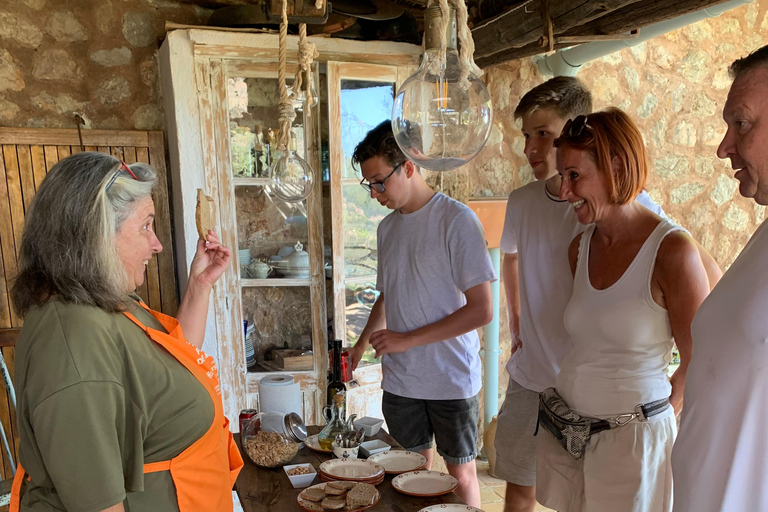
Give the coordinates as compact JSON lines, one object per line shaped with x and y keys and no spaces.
{"x":98,"y":58}
{"x":674,"y":87}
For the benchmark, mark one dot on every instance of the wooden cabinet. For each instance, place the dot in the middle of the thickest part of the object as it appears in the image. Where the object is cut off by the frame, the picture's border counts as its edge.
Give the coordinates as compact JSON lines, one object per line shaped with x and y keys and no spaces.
{"x":218,"y":86}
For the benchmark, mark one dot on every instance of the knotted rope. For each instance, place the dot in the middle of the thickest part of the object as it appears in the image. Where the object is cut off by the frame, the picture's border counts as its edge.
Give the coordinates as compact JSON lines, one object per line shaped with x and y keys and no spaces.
{"x":466,"y":43}
{"x":285,"y":105}
{"x":306,"y":56}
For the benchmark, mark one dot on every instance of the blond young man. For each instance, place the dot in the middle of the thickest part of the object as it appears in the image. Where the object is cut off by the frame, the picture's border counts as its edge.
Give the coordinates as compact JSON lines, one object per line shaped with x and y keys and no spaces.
{"x":537,"y":280}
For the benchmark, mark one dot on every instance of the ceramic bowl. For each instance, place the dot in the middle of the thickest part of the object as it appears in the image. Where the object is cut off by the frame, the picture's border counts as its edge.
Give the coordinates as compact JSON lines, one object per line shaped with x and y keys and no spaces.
{"x":368,"y":448}
{"x":369,"y":425}
{"x":299,"y":481}
{"x":345,"y":453}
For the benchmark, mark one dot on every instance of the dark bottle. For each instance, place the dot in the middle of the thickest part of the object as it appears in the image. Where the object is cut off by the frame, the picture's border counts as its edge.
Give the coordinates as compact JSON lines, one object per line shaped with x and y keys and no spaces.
{"x":335,"y":386}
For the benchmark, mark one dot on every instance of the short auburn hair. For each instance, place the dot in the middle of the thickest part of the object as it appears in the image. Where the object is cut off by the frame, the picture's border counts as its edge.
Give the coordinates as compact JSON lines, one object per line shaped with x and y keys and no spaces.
{"x":608,"y":135}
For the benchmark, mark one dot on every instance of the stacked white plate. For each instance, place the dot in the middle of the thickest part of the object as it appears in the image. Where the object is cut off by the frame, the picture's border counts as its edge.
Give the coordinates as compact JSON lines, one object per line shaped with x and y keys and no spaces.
{"x":244,"y":256}
{"x":355,"y":470}
{"x":399,"y":461}
{"x":425,"y":483}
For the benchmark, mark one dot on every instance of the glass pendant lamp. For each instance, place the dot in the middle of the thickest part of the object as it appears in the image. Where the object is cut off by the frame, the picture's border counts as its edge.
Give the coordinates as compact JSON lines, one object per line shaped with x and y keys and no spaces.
{"x":441,"y":117}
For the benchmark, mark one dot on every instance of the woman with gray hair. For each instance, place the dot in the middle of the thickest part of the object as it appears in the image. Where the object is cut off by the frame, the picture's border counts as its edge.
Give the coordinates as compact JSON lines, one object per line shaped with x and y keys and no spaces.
{"x":118,"y":408}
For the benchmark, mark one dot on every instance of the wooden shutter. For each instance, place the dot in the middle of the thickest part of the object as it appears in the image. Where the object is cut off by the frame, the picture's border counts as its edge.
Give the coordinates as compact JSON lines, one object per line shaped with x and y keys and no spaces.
{"x":27,"y":155}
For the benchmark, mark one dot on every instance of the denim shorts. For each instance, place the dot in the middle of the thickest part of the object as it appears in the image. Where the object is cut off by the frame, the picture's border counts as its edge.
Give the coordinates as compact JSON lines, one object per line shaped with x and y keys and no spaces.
{"x":452,"y":423}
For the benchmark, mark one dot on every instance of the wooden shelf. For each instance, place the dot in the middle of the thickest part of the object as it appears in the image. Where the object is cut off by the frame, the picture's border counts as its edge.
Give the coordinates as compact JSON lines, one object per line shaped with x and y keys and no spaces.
{"x":250,"y":182}
{"x":279,"y":281}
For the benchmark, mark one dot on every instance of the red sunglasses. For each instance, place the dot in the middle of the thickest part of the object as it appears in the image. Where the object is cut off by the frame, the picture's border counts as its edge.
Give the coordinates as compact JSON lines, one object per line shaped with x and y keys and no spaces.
{"x":123,"y":168}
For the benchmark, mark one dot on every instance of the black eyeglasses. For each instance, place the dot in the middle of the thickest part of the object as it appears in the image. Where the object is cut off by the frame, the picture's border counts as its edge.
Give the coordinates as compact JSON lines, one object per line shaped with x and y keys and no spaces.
{"x":576,"y":126}
{"x":378,"y":186}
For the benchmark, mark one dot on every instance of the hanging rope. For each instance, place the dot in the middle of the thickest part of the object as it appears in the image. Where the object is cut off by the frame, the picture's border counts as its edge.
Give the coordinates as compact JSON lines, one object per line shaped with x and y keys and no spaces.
{"x":285,"y":106}
{"x":306,"y":56}
{"x":466,"y":43}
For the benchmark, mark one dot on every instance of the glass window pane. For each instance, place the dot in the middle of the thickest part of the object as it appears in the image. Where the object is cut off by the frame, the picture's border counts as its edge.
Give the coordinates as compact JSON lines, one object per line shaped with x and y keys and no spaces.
{"x":361,"y":219}
{"x":363,"y":106}
{"x":360,"y":298}
{"x":253,"y":125}
{"x":265,"y":224}
{"x":285,"y":324}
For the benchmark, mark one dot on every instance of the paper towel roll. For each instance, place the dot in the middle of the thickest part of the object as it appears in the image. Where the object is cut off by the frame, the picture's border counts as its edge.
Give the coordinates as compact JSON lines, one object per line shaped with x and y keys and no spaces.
{"x":279,"y":393}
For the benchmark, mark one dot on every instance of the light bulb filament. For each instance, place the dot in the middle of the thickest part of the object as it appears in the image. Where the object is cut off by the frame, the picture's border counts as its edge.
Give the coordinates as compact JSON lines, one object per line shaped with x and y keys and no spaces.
{"x":441,"y":97}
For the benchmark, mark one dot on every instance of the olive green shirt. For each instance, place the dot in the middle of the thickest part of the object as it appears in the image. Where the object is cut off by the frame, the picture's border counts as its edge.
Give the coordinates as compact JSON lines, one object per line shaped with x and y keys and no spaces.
{"x":97,"y":399}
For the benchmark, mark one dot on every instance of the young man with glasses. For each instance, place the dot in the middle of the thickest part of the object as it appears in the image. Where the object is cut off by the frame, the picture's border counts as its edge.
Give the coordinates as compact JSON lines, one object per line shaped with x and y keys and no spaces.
{"x":434,"y":275}
{"x":538,"y":229}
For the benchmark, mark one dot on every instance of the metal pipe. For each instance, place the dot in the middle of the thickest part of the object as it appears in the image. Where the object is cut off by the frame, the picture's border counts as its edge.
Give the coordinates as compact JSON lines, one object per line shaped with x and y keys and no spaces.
{"x":567,"y":62}
{"x":491,"y":350}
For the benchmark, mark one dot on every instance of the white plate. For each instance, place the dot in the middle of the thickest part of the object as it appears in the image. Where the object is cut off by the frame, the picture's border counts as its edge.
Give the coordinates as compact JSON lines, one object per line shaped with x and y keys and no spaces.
{"x":345,"y":469}
{"x":425,"y":483}
{"x":399,"y":461}
{"x":313,"y":444}
{"x":450,"y":507}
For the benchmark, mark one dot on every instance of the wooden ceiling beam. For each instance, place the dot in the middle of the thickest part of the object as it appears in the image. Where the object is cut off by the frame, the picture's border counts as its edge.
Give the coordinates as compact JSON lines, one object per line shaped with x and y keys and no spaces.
{"x":522,"y":24}
{"x":641,"y":14}
{"x":632,"y":16}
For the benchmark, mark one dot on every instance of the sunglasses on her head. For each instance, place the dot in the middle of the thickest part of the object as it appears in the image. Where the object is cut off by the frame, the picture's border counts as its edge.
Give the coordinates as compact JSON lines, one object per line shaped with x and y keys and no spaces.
{"x":575,"y":127}
{"x":378,"y":186}
{"x":123,"y":168}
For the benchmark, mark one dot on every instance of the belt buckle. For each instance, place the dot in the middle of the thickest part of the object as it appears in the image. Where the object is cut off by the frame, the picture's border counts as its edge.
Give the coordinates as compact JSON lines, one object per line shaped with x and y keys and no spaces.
{"x":639,"y":414}
{"x":623,"y":419}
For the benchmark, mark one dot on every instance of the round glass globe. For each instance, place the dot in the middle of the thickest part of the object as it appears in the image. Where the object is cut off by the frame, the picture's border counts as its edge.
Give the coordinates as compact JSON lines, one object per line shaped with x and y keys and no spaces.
{"x":439,"y":121}
{"x":291,"y":177}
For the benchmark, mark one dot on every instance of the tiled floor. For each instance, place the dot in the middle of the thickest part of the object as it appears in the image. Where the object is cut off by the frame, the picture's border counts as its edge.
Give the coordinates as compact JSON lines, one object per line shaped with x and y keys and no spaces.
{"x":492,"y":490}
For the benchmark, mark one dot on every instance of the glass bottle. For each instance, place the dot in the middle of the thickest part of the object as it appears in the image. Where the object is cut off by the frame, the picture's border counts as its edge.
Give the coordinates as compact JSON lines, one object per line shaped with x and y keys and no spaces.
{"x":335,"y":416}
{"x":336,"y":385}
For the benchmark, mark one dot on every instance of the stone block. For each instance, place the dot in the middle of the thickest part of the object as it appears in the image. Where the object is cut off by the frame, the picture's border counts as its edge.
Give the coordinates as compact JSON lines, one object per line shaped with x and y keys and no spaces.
{"x":111,"y":58}
{"x":724,"y":189}
{"x":138,"y":29}
{"x":19,"y":29}
{"x":684,"y":193}
{"x":605,"y":88}
{"x":113,"y":90}
{"x":735,"y":218}
{"x":64,"y":27}
{"x":633,"y":79}
{"x":704,"y":165}
{"x":685,"y":134}
{"x":10,"y":74}
{"x":148,"y":117}
{"x":8,"y":110}
{"x":671,"y":166}
{"x":695,"y":66}
{"x":703,"y":105}
{"x":650,"y":102}
{"x":56,"y":64}
{"x":698,"y":32}
{"x":61,"y":104}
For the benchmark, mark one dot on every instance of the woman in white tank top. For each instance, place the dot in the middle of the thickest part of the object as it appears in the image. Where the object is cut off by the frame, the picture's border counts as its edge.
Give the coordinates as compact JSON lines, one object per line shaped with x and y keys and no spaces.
{"x":638,"y":281}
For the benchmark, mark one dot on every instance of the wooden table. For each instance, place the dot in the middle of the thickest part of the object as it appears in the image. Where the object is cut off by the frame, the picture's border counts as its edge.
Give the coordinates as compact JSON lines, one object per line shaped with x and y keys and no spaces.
{"x":269,"y":490}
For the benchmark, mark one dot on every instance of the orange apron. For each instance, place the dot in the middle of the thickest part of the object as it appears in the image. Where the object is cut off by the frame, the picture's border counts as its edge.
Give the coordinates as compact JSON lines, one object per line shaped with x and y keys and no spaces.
{"x":204,"y":473}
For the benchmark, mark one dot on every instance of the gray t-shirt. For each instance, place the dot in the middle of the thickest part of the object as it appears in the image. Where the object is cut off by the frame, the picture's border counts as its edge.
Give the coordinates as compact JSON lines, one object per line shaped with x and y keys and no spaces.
{"x":427,"y":260}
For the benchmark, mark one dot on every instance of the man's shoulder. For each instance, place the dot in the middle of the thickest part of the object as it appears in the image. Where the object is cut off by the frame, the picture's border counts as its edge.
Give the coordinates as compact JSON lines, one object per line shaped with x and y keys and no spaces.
{"x":533,"y":191}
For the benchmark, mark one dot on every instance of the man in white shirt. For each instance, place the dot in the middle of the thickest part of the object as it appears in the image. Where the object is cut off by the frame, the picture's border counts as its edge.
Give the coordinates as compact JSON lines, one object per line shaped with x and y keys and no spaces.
{"x":538,"y":229}
{"x":434,"y":275}
{"x":719,"y":461}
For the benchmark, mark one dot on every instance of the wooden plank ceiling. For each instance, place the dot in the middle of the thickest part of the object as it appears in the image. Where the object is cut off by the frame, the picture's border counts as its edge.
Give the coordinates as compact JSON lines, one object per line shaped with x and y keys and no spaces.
{"x":506,"y":30}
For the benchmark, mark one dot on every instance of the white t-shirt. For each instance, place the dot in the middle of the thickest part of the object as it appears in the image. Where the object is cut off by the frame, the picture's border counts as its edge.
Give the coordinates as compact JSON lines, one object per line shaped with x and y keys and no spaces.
{"x":540,"y":227}
{"x":427,"y":260}
{"x":720,"y":460}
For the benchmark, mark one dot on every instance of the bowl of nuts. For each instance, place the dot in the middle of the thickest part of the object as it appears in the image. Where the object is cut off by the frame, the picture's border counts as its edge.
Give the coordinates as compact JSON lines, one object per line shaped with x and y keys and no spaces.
{"x":272,"y":439}
{"x":300,"y":475}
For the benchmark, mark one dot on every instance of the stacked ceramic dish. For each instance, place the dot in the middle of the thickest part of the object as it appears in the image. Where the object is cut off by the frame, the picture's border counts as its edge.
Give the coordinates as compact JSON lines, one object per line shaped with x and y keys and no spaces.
{"x":396,"y":462}
{"x":353,"y":470}
{"x":424,"y":483}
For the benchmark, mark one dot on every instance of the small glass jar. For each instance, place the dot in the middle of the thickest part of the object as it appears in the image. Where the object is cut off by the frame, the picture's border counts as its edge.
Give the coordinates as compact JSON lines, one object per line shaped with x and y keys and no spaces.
{"x":272,"y":439}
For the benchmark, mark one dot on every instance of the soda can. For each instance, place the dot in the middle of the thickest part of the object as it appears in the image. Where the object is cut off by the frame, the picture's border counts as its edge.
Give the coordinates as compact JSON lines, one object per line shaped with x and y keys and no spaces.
{"x":245,"y":417}
{"x":346,"y":366}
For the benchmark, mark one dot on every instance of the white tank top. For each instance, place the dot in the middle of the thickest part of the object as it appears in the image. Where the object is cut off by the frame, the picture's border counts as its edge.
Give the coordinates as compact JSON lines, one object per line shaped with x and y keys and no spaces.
{"x":622,"y":339}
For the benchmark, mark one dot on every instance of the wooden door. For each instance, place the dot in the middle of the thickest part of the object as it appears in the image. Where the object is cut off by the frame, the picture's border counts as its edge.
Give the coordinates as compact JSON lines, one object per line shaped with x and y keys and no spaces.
{"x":26,"y":156}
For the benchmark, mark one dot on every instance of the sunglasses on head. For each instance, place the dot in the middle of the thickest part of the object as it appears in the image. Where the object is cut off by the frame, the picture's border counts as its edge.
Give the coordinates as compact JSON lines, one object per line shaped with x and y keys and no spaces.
{"x":123,"y":168}
{"x":576,"y":126}
{"x":378,"y":186}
